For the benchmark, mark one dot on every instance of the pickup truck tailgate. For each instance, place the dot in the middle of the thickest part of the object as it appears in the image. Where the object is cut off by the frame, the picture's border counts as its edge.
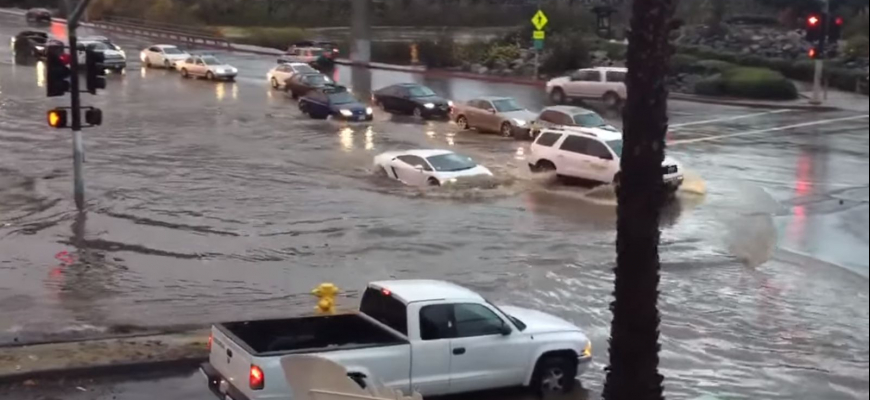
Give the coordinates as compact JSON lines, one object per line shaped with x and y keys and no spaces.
{"x":233,"y":362}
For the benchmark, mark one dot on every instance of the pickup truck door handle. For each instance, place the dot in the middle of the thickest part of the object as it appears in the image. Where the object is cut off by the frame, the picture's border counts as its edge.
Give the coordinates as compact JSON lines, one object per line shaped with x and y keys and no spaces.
{"x":459,"y":351}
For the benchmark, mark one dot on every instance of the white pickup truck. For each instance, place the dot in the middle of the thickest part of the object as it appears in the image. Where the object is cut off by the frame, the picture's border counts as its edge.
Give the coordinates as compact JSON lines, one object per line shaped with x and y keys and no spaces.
{"x":432,"y":337}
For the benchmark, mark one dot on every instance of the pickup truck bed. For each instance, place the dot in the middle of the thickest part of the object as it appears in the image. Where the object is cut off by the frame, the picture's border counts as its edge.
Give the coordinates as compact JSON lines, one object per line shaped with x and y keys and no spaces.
{"x":309,"y":335}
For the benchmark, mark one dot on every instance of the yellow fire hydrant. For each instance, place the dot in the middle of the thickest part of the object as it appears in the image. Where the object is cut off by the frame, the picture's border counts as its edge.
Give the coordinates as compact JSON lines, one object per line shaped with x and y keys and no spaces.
{"x":326,"y":292}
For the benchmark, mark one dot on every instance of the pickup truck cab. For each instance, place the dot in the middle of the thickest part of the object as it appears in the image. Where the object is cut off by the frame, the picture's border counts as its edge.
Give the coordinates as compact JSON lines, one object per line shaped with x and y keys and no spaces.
{"x":432,"y":337}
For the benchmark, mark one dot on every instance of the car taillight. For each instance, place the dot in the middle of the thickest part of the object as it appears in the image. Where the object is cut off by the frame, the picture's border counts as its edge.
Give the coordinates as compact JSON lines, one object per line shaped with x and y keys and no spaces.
{"x":210,"y":341}
{"x":258,"y":380}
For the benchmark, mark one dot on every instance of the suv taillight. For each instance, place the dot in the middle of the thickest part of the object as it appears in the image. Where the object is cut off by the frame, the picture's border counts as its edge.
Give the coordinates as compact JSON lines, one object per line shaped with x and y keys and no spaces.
{"x":257,"y":379}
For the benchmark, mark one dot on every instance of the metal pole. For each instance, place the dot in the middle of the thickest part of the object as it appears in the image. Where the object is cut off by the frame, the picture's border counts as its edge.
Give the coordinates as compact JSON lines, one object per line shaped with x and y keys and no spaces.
{"x":76,"y":105}
{"x":820,"y":58}
{"x":537,"y":63}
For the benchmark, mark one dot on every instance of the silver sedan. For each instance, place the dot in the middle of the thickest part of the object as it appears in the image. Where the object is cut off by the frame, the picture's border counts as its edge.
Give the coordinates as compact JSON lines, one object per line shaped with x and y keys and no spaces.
{"x":495,"y":114}
{"x":208,"y":67}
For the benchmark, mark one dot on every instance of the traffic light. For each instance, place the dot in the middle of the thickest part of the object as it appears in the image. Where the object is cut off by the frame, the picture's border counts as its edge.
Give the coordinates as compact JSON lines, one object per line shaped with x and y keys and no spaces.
{"x":57,"y":118}
{"x":57,"y":71}
{"x":813,"y":53}
{"x":94,"y":117}
{"x":835,"y":32}
{"x":95,"y":70}
{"x":814,"y":28}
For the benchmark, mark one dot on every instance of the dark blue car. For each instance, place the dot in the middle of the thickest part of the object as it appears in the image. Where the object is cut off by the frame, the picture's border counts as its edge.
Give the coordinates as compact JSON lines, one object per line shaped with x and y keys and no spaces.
{"x":334,"y":101}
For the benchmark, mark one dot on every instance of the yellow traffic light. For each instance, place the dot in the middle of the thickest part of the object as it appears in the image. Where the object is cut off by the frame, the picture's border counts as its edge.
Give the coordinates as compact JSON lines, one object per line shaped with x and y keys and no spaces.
{"x":57,"y":118}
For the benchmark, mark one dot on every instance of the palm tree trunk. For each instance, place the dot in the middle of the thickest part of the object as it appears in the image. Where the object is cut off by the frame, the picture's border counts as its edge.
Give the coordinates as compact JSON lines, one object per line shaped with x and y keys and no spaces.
{"x":634,"y":343}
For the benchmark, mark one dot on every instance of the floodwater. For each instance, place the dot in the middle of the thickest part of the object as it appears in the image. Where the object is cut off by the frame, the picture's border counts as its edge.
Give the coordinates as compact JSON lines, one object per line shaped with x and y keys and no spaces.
{"x":220,"y":201}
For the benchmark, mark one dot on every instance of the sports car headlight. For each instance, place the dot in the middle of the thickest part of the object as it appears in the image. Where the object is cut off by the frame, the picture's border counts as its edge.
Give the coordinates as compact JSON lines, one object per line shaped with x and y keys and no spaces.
{"x":429,"y":105}
{"x":520,"y":122}
{"x":346,"y":113}
{"x":587,"y":351}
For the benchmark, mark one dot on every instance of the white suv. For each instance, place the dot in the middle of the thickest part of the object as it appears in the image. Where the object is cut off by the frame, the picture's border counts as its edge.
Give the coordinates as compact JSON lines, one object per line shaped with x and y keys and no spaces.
{"x":606,"y":84}
{"x":591,"y":154}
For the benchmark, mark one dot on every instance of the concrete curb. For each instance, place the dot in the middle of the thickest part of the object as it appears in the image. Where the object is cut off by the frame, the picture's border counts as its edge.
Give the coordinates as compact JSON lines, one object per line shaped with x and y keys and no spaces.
{"x":99,"y":357}
{"x":749,"y":103}
{"x":120,"y":369}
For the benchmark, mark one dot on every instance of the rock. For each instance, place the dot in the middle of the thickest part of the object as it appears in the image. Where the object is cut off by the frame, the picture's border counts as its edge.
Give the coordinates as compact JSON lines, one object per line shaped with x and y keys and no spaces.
{"x":788,"y":47}
{"x":481,"y":70}
{"x":755,"y":47}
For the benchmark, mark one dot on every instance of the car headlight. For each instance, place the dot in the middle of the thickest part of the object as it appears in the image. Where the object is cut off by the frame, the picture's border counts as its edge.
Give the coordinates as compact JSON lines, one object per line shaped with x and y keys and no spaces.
{"x":450,"y":103}
{"x":520,"y":122}
{"x":453,"y":180}
{"x":123,"y":53}
{"x":346,"y":113}
{"x":587,"y":351}
{"x":369,"y":110}
{"x":429,"y":105}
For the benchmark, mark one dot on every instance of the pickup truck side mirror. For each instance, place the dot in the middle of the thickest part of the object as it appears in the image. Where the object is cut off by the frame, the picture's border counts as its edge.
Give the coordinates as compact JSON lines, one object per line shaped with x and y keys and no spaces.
{"x":505,"y":330}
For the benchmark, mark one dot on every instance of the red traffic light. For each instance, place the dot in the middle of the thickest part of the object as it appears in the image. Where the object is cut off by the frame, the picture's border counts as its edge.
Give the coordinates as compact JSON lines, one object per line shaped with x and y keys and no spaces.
{"x":813,"y":20}
{"x":839,"y":21}
{"x":65,"y":58}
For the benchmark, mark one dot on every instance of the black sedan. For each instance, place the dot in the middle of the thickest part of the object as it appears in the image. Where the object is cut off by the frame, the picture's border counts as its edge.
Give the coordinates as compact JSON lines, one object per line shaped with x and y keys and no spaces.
{"x":300,"y":84}
{"x":335,"y":102}
{"x":413,"y":99}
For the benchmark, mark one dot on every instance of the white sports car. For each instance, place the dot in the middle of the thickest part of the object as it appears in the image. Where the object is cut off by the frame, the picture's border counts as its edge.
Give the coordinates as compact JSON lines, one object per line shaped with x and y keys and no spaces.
{"x":428,"y":167}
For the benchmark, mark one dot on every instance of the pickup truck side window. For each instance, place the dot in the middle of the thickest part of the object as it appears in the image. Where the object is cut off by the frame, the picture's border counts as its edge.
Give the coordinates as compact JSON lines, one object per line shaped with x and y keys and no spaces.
{"x":476,"y":320}
{"x":436,"y":322}
{"x":385,"y":309}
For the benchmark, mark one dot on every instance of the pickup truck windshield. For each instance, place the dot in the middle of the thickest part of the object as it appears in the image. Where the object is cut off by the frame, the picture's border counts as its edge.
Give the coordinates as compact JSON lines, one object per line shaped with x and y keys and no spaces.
{"x":385,"y":309}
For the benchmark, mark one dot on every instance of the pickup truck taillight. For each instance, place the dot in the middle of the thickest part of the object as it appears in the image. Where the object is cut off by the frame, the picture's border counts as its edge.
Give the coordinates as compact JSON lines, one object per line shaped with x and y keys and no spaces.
{"x":257,"y":380}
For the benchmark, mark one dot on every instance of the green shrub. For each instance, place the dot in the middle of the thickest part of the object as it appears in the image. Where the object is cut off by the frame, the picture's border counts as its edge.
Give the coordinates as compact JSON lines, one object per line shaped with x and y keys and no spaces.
{"x":391,"y":52}
{"x":566,"y":52}
{"x":276,"y":38}
{"x":471,"y":53}
{"x":713,"y":66}
{"x":501,"y":54}
{"x":857,"y":46}
{"x":753,"y":83}
{"x":683,"y":63}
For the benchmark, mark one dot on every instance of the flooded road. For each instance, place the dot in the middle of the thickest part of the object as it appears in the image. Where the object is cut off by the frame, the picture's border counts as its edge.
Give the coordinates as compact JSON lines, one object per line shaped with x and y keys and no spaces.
{"x":220,"y":201}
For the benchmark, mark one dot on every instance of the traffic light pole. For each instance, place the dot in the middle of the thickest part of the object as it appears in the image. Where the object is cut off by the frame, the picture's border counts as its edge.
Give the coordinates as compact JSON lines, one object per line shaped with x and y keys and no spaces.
{"x":76,"y":105}
{"x":820,"y":60}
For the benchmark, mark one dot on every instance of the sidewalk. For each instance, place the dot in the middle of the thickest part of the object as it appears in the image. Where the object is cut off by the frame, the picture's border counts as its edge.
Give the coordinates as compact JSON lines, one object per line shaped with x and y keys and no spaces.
{"x":105,"y":356}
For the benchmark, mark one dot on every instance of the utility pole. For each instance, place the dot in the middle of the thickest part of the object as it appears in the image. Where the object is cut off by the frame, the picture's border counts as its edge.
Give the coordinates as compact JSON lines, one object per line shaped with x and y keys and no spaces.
{"x":75,"y":93}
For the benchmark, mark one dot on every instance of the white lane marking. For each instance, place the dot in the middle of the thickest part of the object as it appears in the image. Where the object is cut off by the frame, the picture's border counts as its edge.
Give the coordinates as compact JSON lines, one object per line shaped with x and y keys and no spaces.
{"x":777,"y":129}
{"x":710,"y":121}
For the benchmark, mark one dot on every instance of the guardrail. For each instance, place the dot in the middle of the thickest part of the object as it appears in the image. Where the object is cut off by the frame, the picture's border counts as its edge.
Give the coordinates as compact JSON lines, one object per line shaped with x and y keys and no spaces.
{"x":168,"y":34}
{"x":196,"y":31}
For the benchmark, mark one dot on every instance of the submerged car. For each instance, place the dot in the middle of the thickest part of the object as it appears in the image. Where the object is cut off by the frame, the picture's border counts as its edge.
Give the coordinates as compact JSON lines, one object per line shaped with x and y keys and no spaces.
{"x":336,"y":102}
{"x":495,"y":114}
{"x":428,"y":167}
{"x":301,"y":84}
{"x":163,"y":55}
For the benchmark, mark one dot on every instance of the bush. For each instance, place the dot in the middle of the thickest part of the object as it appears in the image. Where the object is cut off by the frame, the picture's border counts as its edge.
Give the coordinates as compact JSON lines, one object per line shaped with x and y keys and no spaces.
{"x":753,"y":83}
{"x":857,"y":46}
{"x":501,"y":54}
{"x":567,"y":52}
{"x":276,"y":38}
{"x":711,"y":67}
{"x":683,"y":64}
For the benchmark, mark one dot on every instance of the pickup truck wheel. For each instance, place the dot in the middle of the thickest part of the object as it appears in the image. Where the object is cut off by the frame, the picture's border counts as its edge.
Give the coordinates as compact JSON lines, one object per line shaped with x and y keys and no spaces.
{"x":612,"y":99}
{"x":462,"y":122}
{"x":555,"y":375}
{"x":558,"y":96}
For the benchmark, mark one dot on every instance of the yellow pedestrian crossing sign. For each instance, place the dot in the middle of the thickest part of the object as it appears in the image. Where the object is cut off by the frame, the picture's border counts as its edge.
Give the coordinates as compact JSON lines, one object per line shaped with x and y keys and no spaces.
{"x":540,"y":20}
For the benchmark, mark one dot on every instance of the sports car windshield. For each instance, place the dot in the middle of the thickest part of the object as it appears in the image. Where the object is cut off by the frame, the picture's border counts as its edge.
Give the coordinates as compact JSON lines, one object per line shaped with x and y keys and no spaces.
{"x":451,"y":163}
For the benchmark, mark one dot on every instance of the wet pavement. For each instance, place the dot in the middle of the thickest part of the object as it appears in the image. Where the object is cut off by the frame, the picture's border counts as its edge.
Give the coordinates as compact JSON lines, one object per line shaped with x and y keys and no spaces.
{"x":220,"y":201}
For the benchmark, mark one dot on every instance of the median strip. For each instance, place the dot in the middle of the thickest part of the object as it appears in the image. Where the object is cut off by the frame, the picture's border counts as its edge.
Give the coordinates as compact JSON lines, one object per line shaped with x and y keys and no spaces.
{"x":104,"y":356}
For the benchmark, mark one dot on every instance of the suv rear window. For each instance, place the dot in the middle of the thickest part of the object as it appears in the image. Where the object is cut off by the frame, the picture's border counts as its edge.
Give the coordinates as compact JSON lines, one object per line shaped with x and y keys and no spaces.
{"x":548,"y":139}
{"x":385,"y":309}
{"x":615,"y":76}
